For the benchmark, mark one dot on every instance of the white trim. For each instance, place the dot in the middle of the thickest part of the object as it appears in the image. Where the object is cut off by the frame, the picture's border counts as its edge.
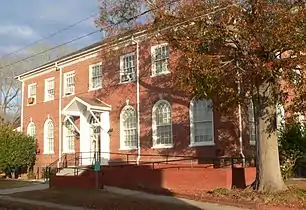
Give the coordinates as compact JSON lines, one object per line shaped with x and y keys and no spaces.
{"x":46,"y":99}
{"x":122,"y":128}
{"x":153,"y":66}
{"x":121,"y":72}
{"x":192,"y":142}
{"x":60,"y":115}
{"x":22,"y":108}
{"x":154,"y":126}
{"x":90,"y":88}
{"x":67,"y":118}
{"x":66,"y":74}
{"x":46,"y":142}
{"x":89,"y":107}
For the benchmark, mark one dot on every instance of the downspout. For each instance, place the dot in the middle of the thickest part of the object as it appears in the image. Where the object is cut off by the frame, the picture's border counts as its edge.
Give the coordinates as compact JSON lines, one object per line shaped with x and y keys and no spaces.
{"x":59,"y":116}
{"x":22,"y":103}
{"x":137,"y":101}
{"x":240,"y":127}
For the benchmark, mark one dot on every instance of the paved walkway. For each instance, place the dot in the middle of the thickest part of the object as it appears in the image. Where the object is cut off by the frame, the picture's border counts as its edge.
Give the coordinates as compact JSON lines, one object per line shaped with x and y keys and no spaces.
{"x":141,"y":195}
{"x":170,"y":199}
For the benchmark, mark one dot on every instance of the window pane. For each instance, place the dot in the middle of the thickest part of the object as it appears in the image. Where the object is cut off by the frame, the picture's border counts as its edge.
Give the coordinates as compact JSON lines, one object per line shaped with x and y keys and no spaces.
{"x":128,"y":118}
{"x":163,"y":124}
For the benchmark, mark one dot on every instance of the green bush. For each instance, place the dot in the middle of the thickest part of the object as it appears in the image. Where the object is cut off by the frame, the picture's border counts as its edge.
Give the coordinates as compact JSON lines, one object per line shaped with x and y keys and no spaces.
{"x":16,"y":148}
{"x":292,"y":146}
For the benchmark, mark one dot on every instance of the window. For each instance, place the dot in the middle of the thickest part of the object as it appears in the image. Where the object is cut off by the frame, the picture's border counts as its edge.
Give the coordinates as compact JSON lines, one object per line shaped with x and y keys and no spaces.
{"x":32,"y":94}
{"x":201,"y":123}
{"x":128,"y":131}
{"x":31,"y":129}
{"x":69,"y":83}
{"x":251,"y":122}
{"x":127,"y":68}
{"x":162,"y":125}
{"x":69,"y":137}
{"x":49,"y":89}
{"x":95,"y":76}
{"x":160,"y":59}
{"x":49,"y":137}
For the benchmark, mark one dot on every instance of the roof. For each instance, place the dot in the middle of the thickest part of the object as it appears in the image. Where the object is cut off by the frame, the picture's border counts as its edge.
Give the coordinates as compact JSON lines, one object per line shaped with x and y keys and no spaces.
{"x":93,"y":101}
{"x":111,"y":40}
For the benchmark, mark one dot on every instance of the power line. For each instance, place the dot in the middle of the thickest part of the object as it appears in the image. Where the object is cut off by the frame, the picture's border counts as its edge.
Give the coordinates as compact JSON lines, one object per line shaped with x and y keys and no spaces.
{"x":50,"y":35}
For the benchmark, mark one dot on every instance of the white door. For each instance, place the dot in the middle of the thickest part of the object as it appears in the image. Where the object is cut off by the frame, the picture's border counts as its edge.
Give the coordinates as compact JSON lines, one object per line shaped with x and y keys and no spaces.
{"x":105,"y":140}
{"x":95,"y":141}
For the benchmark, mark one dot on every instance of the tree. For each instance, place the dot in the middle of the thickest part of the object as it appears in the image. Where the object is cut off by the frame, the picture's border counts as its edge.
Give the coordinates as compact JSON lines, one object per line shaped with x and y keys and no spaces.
{"x":10,"y":88}
{"x":16,"y":149}
{"x":256,"y":45}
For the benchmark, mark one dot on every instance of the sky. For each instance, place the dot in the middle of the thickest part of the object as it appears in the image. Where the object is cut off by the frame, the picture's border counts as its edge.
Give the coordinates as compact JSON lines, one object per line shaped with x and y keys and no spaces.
{"x":23,"y":22}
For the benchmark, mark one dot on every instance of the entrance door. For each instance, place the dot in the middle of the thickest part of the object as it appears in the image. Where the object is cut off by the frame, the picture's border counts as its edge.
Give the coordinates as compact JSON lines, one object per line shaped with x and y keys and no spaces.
{"x":95,"y":141}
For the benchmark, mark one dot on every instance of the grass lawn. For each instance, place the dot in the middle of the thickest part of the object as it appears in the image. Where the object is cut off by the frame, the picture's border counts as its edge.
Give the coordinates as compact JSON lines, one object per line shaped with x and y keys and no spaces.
{"x":98,"y":200}
{"x":5,"y":184}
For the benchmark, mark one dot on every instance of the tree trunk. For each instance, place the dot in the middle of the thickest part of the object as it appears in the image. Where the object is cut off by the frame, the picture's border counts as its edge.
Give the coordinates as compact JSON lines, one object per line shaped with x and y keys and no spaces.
{"x":269,"y":177}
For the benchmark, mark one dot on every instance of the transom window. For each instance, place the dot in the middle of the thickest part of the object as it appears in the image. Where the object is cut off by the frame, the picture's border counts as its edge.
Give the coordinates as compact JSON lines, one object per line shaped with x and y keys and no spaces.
{"x":32,"y":94}
{"x":95,"y":76}
{"x":69,"y":83}
{"x":160,"y":59}
{"x":127,"y":67}
{"x":69,"y":136}
{"x":49,"y":137}
{"x":31,"y":129}
{"x":162,"y":124}
{"x":201,"y":123}
{"x":49,"y":89}
{"x":128,"y":134}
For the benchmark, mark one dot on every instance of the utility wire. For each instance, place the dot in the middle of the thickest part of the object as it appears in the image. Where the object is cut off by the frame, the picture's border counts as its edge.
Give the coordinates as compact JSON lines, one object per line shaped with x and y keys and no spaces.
{"x":115,"y":24}
{"x":49,"y":36}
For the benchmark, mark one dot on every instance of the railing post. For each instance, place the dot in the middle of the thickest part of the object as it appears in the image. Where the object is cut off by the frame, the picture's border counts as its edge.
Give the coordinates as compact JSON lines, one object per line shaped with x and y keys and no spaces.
{"x":127,"y":159}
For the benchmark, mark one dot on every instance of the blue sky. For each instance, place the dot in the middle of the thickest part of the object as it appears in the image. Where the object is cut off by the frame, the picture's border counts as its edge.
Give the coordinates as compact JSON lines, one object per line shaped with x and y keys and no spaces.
{"x":25,"y":21}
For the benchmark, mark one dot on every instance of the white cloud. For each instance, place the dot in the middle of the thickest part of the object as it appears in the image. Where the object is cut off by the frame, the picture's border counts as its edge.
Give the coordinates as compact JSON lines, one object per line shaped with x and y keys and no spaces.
{"x":18,"y":31}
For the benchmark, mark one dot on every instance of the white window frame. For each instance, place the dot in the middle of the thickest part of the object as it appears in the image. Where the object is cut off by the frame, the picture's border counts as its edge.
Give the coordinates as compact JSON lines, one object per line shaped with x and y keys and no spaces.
{"x":30,"y":86}
{"x":67,"y":135}
{"x":153,"y":60}
{"x":49,"y":140}
{"x":66,"y":76}
{"x":91,"y":67}
{"x":154,"y":126}
{"x":123,"y":146}
{"x":31,"y":129}
{"x":251,"y":123}
{"x":49,"y":97}
{"x":131,"y":75}
{"x":192,"y":132}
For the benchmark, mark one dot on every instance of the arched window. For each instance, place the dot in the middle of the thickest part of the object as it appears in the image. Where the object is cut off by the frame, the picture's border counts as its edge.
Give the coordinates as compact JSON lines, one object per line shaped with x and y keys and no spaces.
{"x":48,"y":137}
{"x":162,"y":124}
{"x":31,"y":129}
{"x":128,"y":131}
{"x":69,"y":137}
{"x":201,"y":123}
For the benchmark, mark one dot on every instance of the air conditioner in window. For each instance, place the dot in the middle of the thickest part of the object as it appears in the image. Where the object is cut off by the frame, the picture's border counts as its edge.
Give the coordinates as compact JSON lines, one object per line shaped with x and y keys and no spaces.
{"x":68,"y":92}
{"x":130,"y":77}
{"x":31,"y":100}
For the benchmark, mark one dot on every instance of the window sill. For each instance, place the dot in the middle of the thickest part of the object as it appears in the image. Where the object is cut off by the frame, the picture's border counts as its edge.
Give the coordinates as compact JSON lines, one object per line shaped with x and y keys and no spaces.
{"x":127,"y":148}
{"x":202,"y":144}
{"x":127,"y":82}
{"x":45,"y":101}
{"x":160,"y":74}
{"x":48,"y":153}
{"x":68,"y":151}
{"x":31,"y":104}
{"x":252,"y":143}
{"x":162,"y":147}
{"x":94,"y":89}
{"x":67,"y":96}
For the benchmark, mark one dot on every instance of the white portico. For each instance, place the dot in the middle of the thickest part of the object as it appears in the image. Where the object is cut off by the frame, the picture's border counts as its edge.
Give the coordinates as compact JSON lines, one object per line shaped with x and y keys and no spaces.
{"x":94,"y":125}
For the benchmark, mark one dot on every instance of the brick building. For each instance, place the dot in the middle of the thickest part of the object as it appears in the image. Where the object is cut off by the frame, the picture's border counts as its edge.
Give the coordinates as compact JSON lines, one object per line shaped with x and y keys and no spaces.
{"x":88,"y":102}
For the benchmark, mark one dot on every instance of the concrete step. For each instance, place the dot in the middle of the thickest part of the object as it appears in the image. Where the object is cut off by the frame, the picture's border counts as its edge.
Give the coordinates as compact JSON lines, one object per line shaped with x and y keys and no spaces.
{"x":70,"y":171}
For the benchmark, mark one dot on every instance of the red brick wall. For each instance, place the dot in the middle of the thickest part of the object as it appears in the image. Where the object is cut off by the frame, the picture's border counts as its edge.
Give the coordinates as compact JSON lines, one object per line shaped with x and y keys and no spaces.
{"x":164,"y":179}
{"x":151,"y":90}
